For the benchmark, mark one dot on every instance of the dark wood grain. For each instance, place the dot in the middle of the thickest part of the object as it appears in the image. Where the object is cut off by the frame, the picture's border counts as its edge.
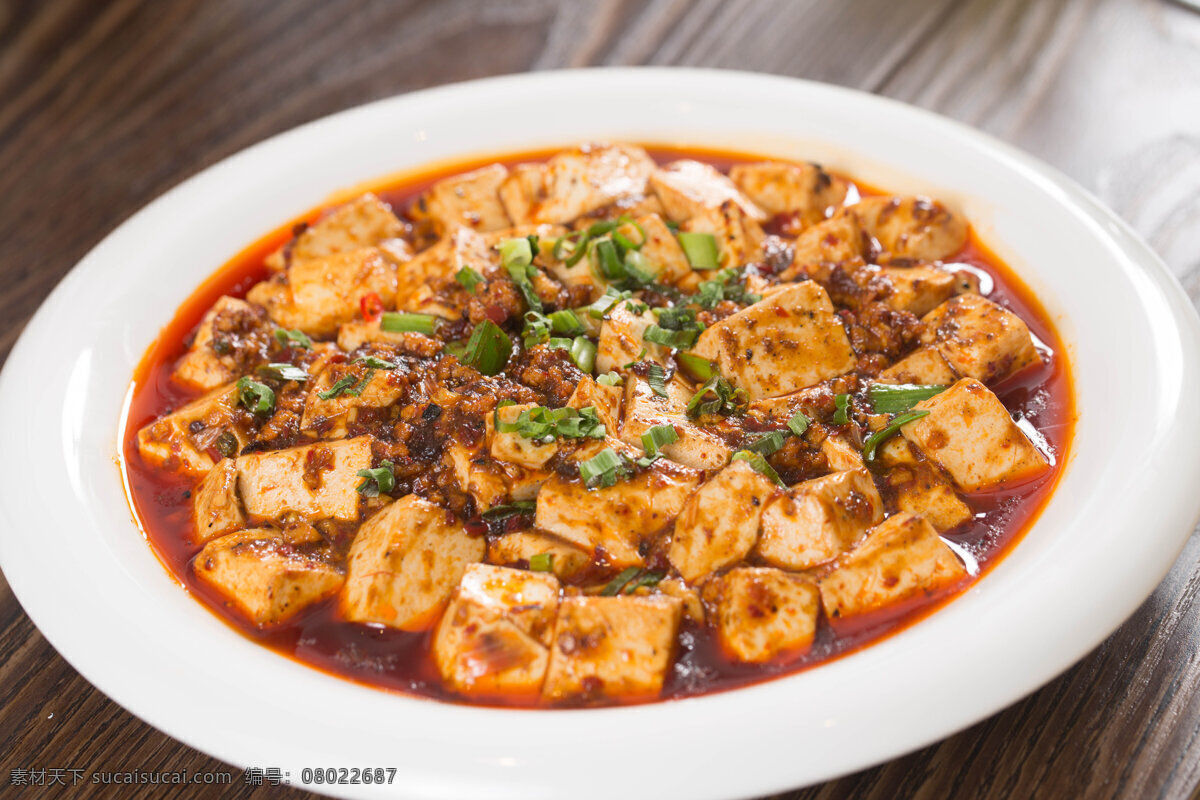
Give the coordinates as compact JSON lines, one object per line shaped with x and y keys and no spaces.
{"x":105,"y":105}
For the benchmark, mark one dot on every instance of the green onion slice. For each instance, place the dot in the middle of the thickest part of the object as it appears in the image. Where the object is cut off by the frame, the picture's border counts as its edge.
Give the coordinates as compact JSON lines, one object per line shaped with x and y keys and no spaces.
{"x":657,"y":437}
{"x":583,"y":353}
{"x":380,"y":480}
{"x":614,"y":587}
{"x":296,"y":337}
{"x":603,"y":469}
{"x":341,"y":385}
{"x":895,"y":398}
{"x":759,"y":464}
{"x":407,"y":322}
{"x":767,"y":444}
{"x":514,"y":509}
{"x":679,"y":340}
{"x":700,"y":249}
{"x":609,"y":379}
{"x":798,"y":423}
{"x":468,"y":278}
{"x":841,"y":414}
{"x":566,"y":322}
{"x":646,"y":578}
{"x":717,"y":396}
{"x":879,"y":437}
{"x":696,"y":366}
{"x":656,"y":376}
{"x":282,"y":372}
{"x":256,"y":397}
{"x":374,"y":362}
{"x":541,"y":562}
{"x":488,"y":349}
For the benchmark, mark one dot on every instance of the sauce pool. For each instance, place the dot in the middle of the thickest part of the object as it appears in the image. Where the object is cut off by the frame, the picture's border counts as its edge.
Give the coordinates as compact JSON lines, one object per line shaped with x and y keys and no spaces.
{"x":400,"y":661}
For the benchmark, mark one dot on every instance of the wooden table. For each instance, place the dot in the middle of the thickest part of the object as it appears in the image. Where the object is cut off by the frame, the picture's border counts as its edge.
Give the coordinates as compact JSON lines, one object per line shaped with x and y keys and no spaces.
{"x":105,"y":105}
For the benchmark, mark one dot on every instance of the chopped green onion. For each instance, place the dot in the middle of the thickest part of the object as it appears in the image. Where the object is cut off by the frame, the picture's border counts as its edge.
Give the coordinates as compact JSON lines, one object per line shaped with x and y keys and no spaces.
{"x":517,"y":258}
{"x":606,"y":302}
{"x":256,"y":397}
{"x":566,"y":322}
{"x":521,"y":278}
{"x":767,"y":444}
{"x":537,"y":329}
{"x":583,"y":353}
{"x":488,"y":349}
{"x":698,"y":367}
{"x":375,"y":363}
{"x":798,"y":423}
{"x":515,"y":251}
{"x":380,"y":480}
{"x":571,"y":248}
{"x":297,"y":337}
{"x":678,"y":340}
{"x":544,"y":425}
{"x":560,"y":343}
{"x":647,"y":579}
{"x":341,"y":385}
{"x":614,"y":587}
{"x":637,"y":358}
{"x":468,"y":278}
{"x":892,"y":399}
{"x":603,"y":469}
{"x":358,"y":390}
{"x":658,"y":437}
{"x":609,"y":379}
{"x":879,"y":437}
{"x":725,"y":286}
{"x":717,"y":396}
{"x":841,"y":414}
{"x":758,"y":463}
{"x":656,"y":376}
{"x":282,"y":372}
{"x":407,"y":322}
{"x":541,"y":562}
{"x":637,"y":270}
{"x":606,"y":257}
{"x":514,"y":509}
{"x":456,"y":349}
{"x":700,"y":249}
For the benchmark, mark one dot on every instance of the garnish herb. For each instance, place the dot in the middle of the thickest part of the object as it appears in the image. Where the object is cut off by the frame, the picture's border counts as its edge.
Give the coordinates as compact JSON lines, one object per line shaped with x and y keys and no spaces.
{"x":700,"y":249}
{"x":293,"y":337}
{"x":541,"y":562}
{"x":725,"y":286}
{"x":488,"y":349}
{"x":514,"y":509}
{"x":282,"y":372}
{"x":646,"y":578}
{"x":544,"y":425}
{"x":408,"y":322}
{"x":566,"y":322}
{"x":468,"y":278}
{"x":758,"y":463}
{"x":603,"y":469}
{"x":798,"y":423}
{"x":614,"y":587}
{"x":893,"y":399}
{"x":256,"y":397}
{"x":699,"y":368}
{"x":841,"y":414}
{"x":583,"y":353}
{"x":610,"y":379}
{"x":606,"y":302}
{"x":517,"y":257}
{"x":879,"y":437}
{"x":380,"y":480}
{"x":767,"y":443}
{"x":341,"y":385}
{"x":654,"y":440}
{"x":676,"y":327}
{"x":374,"y":362}
{"x":717,"y":396}
{"x":656,"y":376}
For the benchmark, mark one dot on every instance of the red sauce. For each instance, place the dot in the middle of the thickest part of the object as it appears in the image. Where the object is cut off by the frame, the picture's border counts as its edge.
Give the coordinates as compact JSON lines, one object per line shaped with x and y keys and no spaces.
{"x":400,"y":661}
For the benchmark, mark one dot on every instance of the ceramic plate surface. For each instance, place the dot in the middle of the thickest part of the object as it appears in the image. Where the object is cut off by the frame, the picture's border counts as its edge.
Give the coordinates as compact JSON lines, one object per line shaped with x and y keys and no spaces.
{"x":84,"y":573}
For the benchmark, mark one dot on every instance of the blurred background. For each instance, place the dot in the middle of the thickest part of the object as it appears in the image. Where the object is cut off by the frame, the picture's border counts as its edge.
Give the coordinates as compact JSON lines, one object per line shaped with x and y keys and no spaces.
{"x":105,"y":105}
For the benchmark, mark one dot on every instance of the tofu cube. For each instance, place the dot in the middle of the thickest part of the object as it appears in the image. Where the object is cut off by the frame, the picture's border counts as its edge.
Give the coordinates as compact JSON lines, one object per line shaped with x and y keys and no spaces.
{"x":762,"y":613}
{"x":969,"y":433}
{"x":516,"y":549}
{"x":470,"y":200}
{"x":461,"y":247}
{"x":494,"y":638}
{"x":478,"y":475}
{"x":319,"y":294}
{"x":514,"y":448}
{"x":610,"y":523}
{"x":264,"y":576}
{"x":912,"y":227}
{"x":718,"y":525}
{"x":202,"y":366}
{"x":664,"y":256}
{"x":377,"y":389}
{"x":353,"y":335}
{"x":575,"y":182}
{"x":919,"y":489}
{"x":404,"y":564}
{"x":979,"y":339}
{"x":690,"y":188}
{"x":184,"y":440}
{"x":924,"y":365}
{"x":621,"y":340}
{"x":834,"y":241}
{"x":918,"y":289}
{"x":785,"y":342}
{"x":816,"y":521}
{"x":312,"y":482}
{"x":363,"y":222}
{"x":900,"y":559}
{"x":840,"y":455}
{"x":804,"y":190}
{"x":612,"y":648}
{"x":696,"y":447}
{"x":216,"y":504}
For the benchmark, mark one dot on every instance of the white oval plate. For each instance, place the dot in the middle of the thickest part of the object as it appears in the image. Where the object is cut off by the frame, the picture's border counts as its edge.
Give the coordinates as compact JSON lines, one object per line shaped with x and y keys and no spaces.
{"x":1123,"y":510}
